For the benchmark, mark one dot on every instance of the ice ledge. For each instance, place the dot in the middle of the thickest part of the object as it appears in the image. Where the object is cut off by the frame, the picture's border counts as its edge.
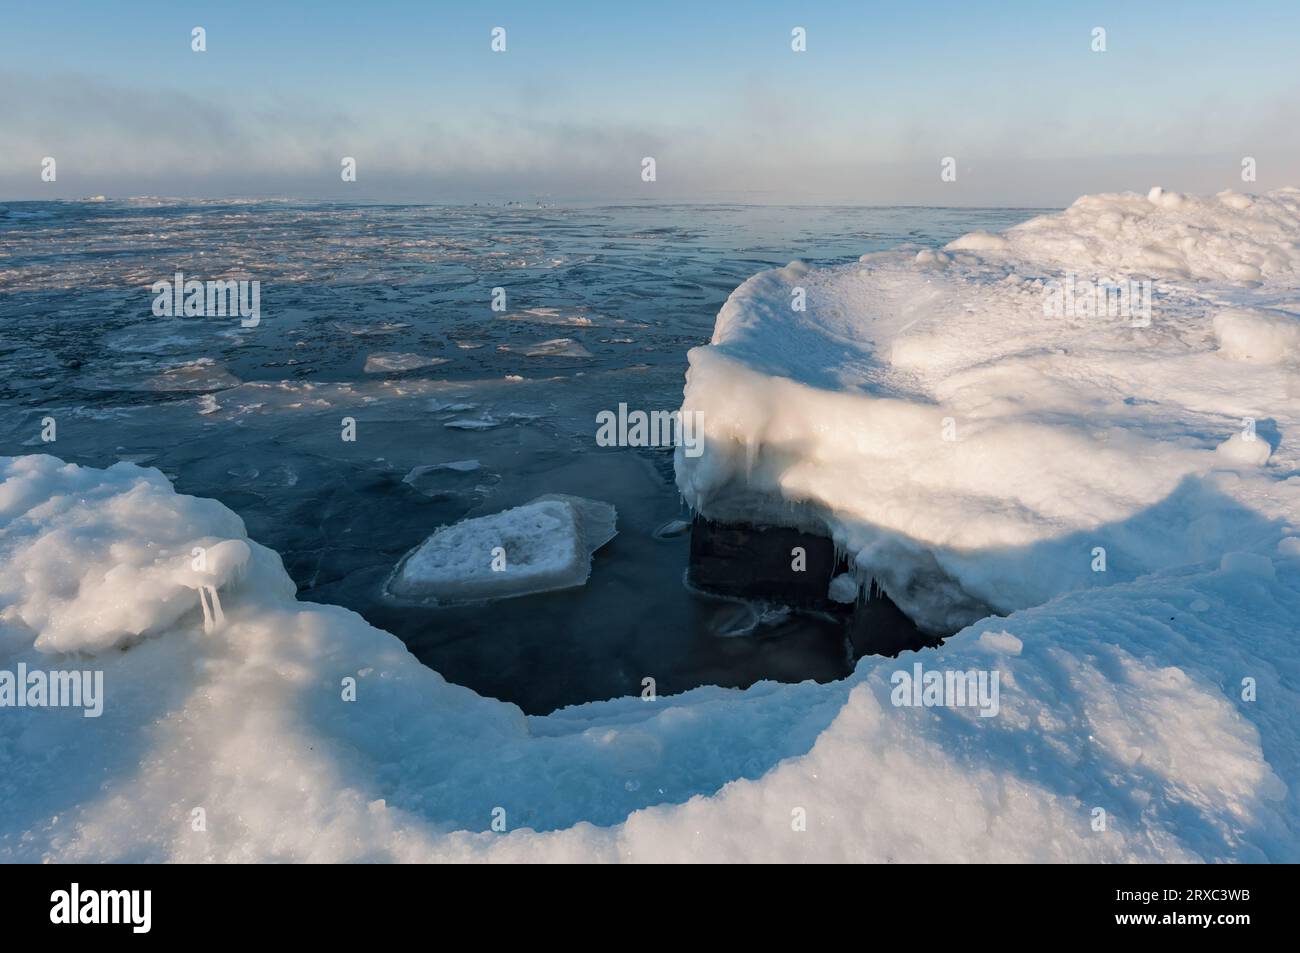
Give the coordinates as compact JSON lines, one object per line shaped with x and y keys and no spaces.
{"x":973,"y":452}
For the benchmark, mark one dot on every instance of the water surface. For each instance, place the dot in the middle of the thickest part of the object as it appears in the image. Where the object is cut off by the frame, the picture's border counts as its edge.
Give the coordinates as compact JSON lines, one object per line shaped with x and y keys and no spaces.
{"x":253,"y":416}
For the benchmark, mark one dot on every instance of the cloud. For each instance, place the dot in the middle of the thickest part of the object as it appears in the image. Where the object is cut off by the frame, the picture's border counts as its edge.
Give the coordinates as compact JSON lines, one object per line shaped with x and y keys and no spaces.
{"x":752,"y":139}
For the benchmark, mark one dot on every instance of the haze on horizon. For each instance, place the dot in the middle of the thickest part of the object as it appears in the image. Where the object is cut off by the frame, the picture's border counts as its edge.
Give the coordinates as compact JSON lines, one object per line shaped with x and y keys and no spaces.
{"x":413,"y":91}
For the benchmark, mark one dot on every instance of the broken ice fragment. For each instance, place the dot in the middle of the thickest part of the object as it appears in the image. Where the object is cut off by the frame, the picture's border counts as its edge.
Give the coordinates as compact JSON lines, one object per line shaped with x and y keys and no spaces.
{"x":392,"y":362}
{"x":543,"y":545}
{"x":844,"y":588}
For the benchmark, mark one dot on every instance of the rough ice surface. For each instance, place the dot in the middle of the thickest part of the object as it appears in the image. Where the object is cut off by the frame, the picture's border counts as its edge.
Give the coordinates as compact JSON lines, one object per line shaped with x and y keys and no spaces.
{"x":975,"y":453}
{"x":538,"y":547}
{"x":1162,"y":692}
{"x":1126,"y":699}
{"x":111,"y":565}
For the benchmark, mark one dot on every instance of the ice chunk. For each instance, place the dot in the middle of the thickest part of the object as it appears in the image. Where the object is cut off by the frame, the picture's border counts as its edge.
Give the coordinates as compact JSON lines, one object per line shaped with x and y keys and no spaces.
{"x":556,"y":347}
{"x":543,"y":545}
{"x":370,"y":330}
{"x":672,"y":529}
{"x":1240,"y":450}
{"x":449,"y":479}
{"x":844,"y":588}
{"x":1003,"y":642}
{"x":384,"y":363}
{"x":455,"y":466}
{"x":118,"y":555}
{"x":204,"y":374}
{"x":978,"y":241}
{"x":1257,"y":336}
{"x":472,"y":423}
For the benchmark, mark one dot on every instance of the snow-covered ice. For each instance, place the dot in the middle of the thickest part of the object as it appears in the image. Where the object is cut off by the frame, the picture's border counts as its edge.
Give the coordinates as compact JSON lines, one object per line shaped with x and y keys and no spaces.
{"x":1126,"y":699}
{"x":1159,"y":695}
{"x":543,"y":545}
{"x":970,"y":450}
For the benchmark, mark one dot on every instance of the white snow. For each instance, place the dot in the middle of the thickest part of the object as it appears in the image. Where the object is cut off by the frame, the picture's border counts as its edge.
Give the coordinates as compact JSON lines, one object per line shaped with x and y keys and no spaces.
{"x":105,"y":566}
{"x":1146,"y":712}
{"x":1240,"y":450}
{"x":1126,"y":699}
{"x":975,"y":454}
{"x":543,"y":545}
{"x":1224,"y":237}
{"x":1259,"y":336}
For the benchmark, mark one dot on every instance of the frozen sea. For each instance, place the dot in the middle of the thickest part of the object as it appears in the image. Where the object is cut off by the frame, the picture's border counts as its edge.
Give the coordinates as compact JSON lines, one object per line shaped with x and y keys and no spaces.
{"x":602,"y":305}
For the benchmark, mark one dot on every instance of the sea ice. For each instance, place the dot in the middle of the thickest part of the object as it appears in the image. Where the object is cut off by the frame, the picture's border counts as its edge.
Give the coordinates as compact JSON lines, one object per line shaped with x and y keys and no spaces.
{"x":1146,"y":659}
{"x":556,"y":347}
{"x":974,"y":450}
{"x":549,"y":316}
{"x":1258,"y":336}
{"x":1168,"y":703}
{"x":390,"y":362}
{"x":543,"y":545}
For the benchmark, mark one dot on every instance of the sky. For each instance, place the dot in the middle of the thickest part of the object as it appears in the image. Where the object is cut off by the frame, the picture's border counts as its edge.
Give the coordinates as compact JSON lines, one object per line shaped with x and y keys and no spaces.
{"x":1013,"y":91}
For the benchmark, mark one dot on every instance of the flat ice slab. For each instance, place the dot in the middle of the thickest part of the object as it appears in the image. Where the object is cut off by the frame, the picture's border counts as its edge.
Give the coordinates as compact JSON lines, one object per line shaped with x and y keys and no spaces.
{"x":543,"y":545}
{"x":390,"y":362}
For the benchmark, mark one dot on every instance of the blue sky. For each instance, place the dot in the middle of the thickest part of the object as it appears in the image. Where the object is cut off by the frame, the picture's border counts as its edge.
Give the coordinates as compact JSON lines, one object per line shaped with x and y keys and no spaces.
{"x":713,"y":91}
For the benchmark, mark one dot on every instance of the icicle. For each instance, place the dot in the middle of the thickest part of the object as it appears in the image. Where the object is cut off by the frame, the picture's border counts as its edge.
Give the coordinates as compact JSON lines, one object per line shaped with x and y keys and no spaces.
{"x":213,"y":618}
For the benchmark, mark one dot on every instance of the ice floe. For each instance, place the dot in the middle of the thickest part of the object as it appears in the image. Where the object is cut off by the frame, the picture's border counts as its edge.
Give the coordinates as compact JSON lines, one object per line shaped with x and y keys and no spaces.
{"x":543,"y":545}
{"x":390,"y":362}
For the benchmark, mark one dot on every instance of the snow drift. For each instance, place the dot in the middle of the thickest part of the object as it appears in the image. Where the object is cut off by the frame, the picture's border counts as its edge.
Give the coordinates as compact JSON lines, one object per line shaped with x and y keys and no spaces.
{"x":1125,"y":700}
{"x":976,"y":450}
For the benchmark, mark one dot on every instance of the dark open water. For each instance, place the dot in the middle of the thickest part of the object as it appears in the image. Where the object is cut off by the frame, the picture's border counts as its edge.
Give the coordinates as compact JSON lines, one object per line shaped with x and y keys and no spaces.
{"x":251,"y":416}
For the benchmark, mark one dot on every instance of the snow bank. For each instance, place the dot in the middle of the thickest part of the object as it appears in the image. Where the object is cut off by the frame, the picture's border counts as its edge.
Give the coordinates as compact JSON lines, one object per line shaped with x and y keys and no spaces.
{"x":93,"y":568}
{"x":987,"y":427}
{"x":1225,"y":237}
{"x":1124,"y":730}
{"x":1258,"y":336}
